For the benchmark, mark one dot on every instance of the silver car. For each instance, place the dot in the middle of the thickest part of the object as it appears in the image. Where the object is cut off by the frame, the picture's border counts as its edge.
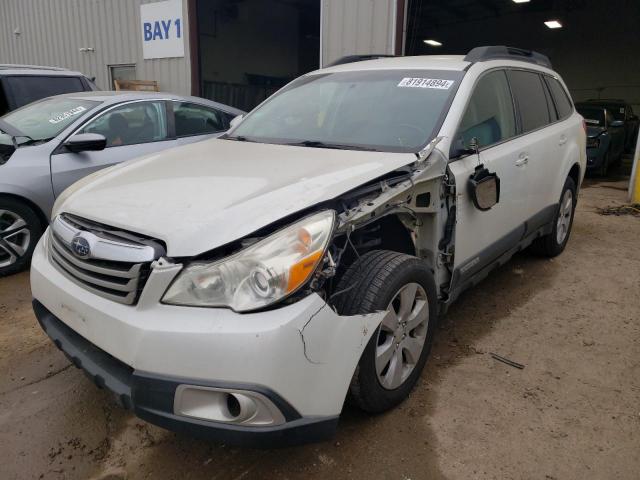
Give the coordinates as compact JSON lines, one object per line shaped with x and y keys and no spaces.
{"x":48,"y":145}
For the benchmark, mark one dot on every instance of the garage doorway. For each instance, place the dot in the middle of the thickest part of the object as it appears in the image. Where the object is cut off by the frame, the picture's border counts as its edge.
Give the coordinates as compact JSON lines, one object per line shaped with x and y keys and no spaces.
{"x":248,"y":49}
{"x":592,"y":44}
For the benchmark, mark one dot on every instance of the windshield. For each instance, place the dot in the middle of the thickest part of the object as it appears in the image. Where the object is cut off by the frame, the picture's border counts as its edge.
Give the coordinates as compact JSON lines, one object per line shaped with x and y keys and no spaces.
{"x":592,"y":116}
{"x":388,"y":110}
{"x":45,"y":119}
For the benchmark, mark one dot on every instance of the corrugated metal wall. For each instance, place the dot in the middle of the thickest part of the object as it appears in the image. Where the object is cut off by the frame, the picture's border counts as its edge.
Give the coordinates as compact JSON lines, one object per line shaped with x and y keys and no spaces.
{"x":351,"y":27}
{"x":52,"y":32}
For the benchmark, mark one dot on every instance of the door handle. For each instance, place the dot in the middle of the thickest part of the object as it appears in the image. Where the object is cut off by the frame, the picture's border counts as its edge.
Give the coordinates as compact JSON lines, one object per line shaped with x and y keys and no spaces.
{"x":563,"y":140}
{"x":523,"y":159}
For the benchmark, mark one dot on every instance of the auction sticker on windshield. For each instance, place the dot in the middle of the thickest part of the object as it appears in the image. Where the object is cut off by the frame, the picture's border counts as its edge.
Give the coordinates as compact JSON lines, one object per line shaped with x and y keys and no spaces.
{"x":69,"y":113}
{"x":425,"y":83}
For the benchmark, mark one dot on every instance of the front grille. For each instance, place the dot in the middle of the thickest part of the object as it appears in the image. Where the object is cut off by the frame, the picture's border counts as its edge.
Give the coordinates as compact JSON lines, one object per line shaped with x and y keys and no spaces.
{"x":110,"y":271}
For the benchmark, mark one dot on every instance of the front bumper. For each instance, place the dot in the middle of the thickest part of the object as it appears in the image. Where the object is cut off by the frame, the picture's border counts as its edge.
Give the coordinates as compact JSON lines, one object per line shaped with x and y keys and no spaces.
{"x":300,"y":356}
{"x":151,"y":397}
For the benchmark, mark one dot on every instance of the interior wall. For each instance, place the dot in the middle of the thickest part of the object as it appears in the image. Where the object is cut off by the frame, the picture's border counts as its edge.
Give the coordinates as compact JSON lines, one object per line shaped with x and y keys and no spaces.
{"x":87,"y":36}
{"x":357,"y":27}
{"x":247,"y":37}
{"x":596,"y":51}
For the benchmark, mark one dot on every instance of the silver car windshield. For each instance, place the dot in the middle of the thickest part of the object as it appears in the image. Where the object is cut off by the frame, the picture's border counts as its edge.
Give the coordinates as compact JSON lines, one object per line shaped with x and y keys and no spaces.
{"x":385,"y":110}
{"x":45,"y":119}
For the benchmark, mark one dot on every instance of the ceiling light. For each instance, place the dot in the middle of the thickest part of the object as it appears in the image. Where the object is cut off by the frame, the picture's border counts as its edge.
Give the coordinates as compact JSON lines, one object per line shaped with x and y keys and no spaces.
{"x":521,"y":1}
{"x":433,"y":43}
{"x":553,"y":24}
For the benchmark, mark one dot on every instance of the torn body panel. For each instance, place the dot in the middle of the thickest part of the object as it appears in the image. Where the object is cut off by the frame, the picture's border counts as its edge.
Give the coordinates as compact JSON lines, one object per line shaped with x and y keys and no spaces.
{"x":420,"y":198}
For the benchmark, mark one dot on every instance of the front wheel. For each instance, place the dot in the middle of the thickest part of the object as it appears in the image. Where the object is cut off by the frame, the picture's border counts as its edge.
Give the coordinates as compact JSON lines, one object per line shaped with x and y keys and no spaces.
{"x":554,"y":243}
{"x":395,"y":356}
{"x":20,"y":229}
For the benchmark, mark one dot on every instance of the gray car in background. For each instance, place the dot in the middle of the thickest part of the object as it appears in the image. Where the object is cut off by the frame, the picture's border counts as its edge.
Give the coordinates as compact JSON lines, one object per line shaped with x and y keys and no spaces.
{"x":23,"y":84}
{"x":50,"y":144}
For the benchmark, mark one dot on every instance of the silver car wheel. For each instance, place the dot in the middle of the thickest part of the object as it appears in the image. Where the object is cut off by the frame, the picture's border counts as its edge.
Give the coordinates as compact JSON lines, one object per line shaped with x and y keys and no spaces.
{"x":15,"y":237}
{"x":402,"y":335}
{"x":564,"y":217}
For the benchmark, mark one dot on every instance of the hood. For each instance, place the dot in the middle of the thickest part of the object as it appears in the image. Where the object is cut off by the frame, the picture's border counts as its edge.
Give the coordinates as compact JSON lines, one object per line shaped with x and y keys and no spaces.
{"x":204,"y":195}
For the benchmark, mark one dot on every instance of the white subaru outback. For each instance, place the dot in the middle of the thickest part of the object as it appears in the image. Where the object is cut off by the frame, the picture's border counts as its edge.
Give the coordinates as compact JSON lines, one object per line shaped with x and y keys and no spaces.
{"x":242,"y":288}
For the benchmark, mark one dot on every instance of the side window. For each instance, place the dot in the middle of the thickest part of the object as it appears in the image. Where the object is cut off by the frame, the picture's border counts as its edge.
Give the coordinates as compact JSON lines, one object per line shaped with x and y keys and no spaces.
{"x":489,"y":116}
{"x":530,"y":98}
{"x":560,"y":97}
{"x":4,"y":105}
{"x":193,"y":119}
{"x":130,"y":124}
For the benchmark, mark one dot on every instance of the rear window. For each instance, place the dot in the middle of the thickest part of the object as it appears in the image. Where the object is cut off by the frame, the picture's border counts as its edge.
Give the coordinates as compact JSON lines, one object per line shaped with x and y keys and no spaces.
{"x":592,"y":116}
{"x":24,"y":89}
{"x":560,"y":97}
{"x":529,"y":93}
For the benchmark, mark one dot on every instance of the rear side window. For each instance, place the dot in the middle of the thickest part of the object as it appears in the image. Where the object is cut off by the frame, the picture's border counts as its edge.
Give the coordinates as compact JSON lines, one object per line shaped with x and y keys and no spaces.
{"x":24,"y":89}
{"x":489,"y":116}
{"x":530,"y":97}
{"x":560,"y":97}
{"x":193,"y":119}
{"x":4,"y":106}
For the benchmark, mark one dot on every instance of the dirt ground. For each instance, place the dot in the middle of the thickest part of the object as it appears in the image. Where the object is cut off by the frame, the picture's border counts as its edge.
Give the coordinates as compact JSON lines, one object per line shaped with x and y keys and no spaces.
{"x":573,"y":412}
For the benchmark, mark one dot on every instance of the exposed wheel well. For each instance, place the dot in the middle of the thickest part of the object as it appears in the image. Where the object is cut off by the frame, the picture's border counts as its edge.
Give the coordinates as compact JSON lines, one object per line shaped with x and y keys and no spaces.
{"x":574,"y":173}
{"x":40,"y":214}
{"x":387,"y":233}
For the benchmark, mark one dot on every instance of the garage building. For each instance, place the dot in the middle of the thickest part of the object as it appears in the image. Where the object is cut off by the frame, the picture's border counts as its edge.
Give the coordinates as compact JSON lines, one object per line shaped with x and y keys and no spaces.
{"x":240,"y":51}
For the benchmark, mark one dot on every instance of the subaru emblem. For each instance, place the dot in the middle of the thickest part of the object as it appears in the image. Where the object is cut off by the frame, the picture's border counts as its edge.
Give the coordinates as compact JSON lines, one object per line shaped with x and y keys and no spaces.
{"x":80,"y":246}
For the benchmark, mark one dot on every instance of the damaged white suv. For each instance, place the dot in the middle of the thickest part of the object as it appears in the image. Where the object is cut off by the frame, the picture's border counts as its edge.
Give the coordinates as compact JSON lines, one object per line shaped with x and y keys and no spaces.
{"x":241,"y":288}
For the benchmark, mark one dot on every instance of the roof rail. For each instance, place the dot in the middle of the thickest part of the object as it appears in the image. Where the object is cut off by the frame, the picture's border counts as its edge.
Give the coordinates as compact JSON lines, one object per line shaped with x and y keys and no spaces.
{"x":357,"y":58}
{"x":483,"y":54}
{"x":11,"y":66}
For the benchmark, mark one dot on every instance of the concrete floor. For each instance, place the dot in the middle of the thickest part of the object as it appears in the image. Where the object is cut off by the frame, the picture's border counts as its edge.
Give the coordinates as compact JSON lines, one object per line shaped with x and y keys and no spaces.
{"x":573,"y":412}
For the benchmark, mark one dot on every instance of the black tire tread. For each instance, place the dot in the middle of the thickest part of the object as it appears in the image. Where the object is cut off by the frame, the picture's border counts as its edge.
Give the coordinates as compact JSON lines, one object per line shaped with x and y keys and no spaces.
{"x":35,"y":226}
{"x":547,"y":246}
{"x":368,"y":276}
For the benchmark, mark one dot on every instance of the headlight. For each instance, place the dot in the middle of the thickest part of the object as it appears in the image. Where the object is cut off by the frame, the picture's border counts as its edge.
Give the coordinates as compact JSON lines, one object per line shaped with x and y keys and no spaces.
{"x":593,"y":142}
{"x":259,"y":275}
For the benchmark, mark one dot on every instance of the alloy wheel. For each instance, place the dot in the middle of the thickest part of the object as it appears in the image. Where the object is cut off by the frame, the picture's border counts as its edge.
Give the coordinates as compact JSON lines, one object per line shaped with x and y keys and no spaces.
{"x":564,"y":217}
{"x":15,"y":238}
{"x":402,"y":336}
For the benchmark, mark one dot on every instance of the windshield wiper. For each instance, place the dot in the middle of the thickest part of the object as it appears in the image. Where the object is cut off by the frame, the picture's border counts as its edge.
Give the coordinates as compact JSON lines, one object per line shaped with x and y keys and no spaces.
{"x":13,"y":132}
{"x":336,"y":146}
{"x":238,"y":138}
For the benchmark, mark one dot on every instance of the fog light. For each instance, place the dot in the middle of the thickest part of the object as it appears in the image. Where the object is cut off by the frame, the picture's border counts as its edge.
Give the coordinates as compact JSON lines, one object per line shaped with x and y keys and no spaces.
{"x":225,"y":405}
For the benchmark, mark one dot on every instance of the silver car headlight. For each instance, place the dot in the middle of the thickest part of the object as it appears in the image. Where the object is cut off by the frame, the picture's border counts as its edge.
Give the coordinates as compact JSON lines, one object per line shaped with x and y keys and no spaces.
{"x":260,"y":274}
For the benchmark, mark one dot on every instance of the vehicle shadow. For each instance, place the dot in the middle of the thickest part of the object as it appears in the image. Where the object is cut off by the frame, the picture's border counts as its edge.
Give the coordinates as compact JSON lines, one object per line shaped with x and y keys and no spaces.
{"x":401,"y":443}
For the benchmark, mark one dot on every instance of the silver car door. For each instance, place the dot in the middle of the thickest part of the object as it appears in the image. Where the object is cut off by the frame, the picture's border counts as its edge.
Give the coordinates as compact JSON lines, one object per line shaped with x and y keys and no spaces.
{"x":132,"y":130}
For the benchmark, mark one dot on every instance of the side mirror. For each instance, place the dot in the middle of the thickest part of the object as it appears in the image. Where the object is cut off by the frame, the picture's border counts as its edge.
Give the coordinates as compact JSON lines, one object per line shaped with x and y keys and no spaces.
{"x":86,"y":142}
{"x":235,"y":121}
{"x":617,"y":124}
{"x":484,"y":188}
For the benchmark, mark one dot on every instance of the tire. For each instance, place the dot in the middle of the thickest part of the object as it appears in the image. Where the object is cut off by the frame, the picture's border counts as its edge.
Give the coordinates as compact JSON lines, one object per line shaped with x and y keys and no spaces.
{"x":372,"y":282}
{"x":554,"y":244}
{"x":20,"y":229}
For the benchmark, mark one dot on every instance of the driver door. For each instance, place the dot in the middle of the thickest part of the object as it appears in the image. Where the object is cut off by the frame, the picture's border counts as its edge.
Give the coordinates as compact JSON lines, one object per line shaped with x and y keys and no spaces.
{"x":132,"y":130}
{"x":482,"y":236}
